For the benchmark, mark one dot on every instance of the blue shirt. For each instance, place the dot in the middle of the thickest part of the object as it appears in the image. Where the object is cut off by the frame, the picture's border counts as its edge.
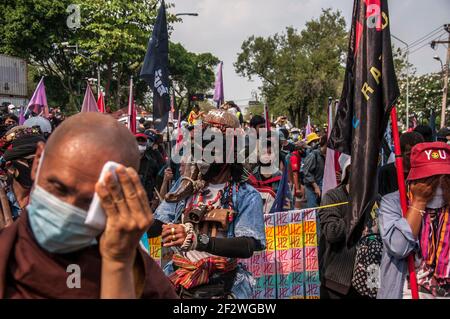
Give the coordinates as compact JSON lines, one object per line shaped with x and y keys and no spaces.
{"x":398,"y":243}
{"x":248,"y":222}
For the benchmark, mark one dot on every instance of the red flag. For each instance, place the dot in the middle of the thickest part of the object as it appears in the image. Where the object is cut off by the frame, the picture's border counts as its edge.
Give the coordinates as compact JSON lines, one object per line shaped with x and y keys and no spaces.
{"x":101,"y":103}
{"x":180,"y":133}
{"x":132,"y":114}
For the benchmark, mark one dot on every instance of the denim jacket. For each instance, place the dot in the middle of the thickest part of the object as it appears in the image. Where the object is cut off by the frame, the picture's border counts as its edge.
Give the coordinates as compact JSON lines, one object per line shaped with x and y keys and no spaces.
{"x":248,"y":222}
{"x":398,"y":243}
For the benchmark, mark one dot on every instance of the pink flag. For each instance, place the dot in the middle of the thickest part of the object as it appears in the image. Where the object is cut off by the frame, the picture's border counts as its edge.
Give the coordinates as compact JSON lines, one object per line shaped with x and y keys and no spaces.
{"x":21,"y":116}
{"x":172,"y":107}
{"x":180,"y":133}
{"x":132,"y":114}
{"x":89,"y":102}
{"x":329,"y":175}
{"x":218,"y":87}
{"x":308,"y":129}
{"x":101,"y":103}
{"x":38,"y":102}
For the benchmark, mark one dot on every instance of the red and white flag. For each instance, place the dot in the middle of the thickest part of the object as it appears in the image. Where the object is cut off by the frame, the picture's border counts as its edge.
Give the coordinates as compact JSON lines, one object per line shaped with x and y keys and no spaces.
{"x":101,"y":103}
{"x":329,"y":175}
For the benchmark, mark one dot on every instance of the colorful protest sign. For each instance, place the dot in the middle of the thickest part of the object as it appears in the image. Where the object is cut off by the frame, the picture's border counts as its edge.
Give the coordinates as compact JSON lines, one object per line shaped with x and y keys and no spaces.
{"x":289,"y":267}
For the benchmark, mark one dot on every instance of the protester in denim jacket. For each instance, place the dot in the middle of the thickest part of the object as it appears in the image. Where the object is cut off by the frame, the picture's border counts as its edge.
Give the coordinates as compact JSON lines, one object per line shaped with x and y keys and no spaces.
{"x":205,"y":257}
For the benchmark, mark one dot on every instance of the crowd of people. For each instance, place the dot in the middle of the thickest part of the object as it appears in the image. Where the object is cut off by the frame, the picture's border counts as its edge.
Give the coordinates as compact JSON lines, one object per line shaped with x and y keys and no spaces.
{"x":209,"y":215}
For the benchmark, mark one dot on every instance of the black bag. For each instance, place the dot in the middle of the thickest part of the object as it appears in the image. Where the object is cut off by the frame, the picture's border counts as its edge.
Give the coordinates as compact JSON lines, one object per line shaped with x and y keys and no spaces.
{"x":220,"y":288}
{"x":366,"y":271}
{"x":204,"y":292}
{"x":367,"y":265}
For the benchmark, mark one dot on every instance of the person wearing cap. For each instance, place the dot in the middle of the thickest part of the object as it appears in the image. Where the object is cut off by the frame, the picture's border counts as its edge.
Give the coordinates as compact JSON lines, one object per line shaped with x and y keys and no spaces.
{"x":313,"y":169}
{"x":425,"y":231}
{"x":18,"y":159}
{"x":336,"y":258}
{"x":295,"y":134}
{"x":40,"y":122}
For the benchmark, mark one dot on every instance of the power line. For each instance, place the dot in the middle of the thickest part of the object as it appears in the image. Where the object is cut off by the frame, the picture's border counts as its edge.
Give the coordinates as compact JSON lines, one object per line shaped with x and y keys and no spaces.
{"x":420,"y":41}
{"x":426,"y":35}
{"x":434,"y":34}
{"x":438,"y":36}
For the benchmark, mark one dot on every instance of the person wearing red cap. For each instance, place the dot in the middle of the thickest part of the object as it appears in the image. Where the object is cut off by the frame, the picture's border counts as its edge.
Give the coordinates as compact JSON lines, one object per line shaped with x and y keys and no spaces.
{"x":425,"y":230}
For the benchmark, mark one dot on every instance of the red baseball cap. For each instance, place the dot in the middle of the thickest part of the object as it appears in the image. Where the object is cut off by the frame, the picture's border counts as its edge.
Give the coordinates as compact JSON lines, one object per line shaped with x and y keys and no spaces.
{"x":428,"y":159}
{"x":141,"y":135}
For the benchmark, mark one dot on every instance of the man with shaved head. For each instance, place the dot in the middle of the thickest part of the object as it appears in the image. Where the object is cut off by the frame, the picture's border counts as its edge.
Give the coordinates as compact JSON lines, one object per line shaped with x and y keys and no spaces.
{"x":49,"y":252}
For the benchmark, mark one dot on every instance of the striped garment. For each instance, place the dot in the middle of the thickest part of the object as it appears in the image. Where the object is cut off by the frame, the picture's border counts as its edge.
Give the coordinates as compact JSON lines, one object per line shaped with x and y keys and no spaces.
{"x":192,"y":274}
{"x":435,"y":249}
{"x":435,"y":241}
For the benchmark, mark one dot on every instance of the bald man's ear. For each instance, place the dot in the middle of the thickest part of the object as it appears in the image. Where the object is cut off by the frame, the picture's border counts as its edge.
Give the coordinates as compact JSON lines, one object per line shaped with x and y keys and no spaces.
{"x":37,"y":158}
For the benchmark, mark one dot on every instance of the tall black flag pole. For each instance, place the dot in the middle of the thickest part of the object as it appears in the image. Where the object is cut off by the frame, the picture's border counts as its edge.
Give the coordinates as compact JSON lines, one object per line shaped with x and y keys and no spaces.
{"x":155,"y":70}
{"x":368,"y":97}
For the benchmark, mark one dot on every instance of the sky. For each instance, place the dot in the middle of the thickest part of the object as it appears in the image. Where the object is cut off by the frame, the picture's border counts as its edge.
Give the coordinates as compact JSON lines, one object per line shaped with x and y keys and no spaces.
{"x":222,"y":26}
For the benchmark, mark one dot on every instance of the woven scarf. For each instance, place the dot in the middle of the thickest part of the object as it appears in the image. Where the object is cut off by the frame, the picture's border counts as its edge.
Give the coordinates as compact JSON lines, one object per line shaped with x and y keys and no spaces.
{"x":190,"y":274}
{"x":435,"y":241}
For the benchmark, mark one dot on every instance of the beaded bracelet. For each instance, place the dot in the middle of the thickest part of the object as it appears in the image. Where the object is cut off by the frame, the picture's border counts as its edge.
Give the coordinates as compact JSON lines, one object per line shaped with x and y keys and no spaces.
{"x":421,"y":211}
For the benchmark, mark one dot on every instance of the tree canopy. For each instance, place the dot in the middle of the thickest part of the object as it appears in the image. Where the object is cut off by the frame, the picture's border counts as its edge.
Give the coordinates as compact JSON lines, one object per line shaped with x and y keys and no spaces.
{"x":299,"y":69}
{"x":113,"y":34}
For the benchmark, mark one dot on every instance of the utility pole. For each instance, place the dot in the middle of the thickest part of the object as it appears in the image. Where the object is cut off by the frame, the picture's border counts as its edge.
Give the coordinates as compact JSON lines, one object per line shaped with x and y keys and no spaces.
{"x":446,"y":67}
{"x":444,"y":94}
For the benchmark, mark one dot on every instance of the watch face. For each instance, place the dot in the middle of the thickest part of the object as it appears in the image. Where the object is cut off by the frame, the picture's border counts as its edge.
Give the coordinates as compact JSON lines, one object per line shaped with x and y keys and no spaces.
{"x":204,"y":239}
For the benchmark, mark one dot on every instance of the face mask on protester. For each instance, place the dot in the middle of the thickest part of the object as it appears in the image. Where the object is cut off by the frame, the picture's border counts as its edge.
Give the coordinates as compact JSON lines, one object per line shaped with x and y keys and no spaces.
{"x":22,"y":175}
{"x":438,"y":200}
{"x":58,"y":226}
{"x":295,"y":137}
{"x":142,"y":149}
{"x":265,"y":160}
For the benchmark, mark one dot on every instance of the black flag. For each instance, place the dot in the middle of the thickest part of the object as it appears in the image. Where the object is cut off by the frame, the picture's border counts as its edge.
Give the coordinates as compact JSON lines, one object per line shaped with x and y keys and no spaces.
{"x":369,"y":93}
{"x":155,"y":70}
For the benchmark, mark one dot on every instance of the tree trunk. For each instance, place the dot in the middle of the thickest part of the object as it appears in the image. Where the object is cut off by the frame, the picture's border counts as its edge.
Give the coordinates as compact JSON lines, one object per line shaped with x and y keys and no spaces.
{"x":291,"y":115}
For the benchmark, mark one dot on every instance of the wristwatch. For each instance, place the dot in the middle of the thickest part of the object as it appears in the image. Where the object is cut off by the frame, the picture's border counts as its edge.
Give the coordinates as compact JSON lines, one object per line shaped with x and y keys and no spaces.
{"x":202,"y":242}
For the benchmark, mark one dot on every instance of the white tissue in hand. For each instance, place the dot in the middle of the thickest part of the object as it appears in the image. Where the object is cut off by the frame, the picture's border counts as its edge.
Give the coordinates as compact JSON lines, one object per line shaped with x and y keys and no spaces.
{"x":96,"y":216}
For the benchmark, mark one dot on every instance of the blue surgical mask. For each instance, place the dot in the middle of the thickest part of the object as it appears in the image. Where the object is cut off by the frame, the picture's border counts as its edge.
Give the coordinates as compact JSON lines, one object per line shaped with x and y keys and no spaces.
{"x":58,"y":226}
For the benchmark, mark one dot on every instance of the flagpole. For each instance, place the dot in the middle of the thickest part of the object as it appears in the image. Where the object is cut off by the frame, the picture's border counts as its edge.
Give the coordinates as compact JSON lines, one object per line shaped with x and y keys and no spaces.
{"x":130,"y":103}
{"x":403,"y":202}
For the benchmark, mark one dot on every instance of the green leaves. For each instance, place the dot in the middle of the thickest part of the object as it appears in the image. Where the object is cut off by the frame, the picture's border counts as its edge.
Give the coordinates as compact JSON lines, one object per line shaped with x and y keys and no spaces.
{"x":114,"y":34}
{"x":299,"y":70}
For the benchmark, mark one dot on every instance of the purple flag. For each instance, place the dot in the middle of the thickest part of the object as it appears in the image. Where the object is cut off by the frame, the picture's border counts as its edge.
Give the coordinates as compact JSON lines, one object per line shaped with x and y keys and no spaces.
{"x":38,"y":102}
{"x":89,"y":102}
{"x":308,"y":129}
{"x":21,"y":116}
{"x":218,"y":89}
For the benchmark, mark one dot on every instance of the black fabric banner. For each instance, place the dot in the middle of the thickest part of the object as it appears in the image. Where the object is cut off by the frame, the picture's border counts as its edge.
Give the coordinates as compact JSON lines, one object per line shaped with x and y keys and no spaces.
{"x":155,"y":70}
{"x":369,"y":93}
